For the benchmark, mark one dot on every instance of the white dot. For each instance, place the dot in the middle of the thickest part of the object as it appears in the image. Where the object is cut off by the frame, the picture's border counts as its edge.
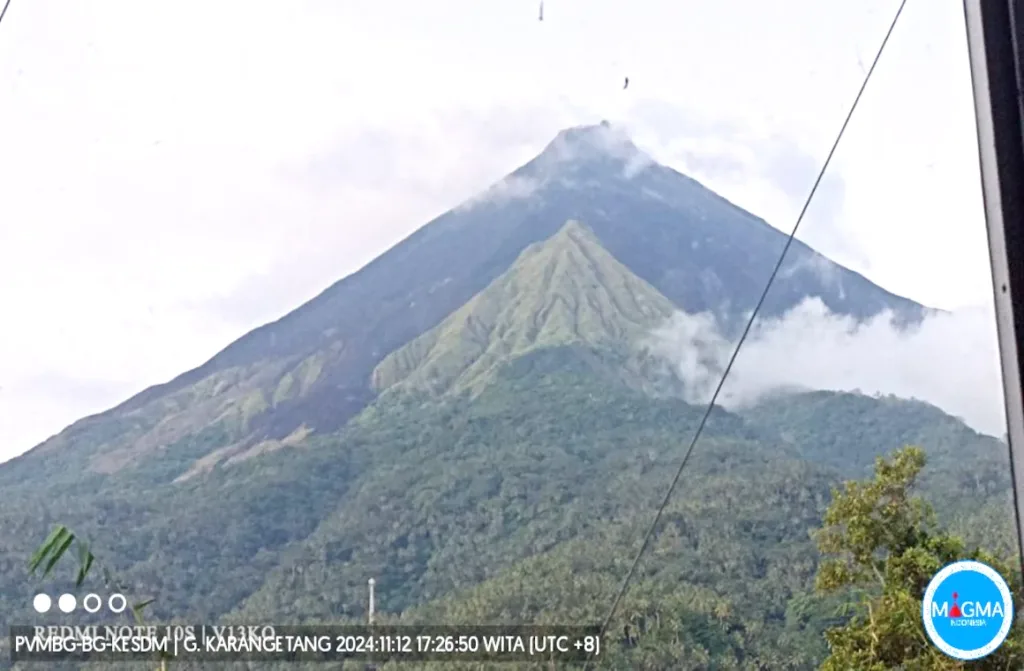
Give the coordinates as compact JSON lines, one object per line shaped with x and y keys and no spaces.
{"x":41,"y":603}
{"x":67,"y":603}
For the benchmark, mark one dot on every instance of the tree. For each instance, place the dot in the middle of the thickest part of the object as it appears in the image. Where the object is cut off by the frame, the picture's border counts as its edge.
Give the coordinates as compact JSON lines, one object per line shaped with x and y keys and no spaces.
{"x":881,"y":539}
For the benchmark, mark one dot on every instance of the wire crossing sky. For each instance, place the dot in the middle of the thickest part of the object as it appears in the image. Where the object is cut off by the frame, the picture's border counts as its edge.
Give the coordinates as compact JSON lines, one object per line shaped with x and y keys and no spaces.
{"x":746,"y":331}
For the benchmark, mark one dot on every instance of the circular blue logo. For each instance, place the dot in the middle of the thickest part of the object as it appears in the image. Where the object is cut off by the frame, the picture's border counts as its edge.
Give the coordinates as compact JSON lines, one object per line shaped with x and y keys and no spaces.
{"x":967,"y":610}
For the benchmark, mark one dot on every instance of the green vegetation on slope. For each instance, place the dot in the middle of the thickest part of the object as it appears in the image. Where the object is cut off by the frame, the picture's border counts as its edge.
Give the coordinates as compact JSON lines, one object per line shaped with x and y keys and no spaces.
{"x":566,"y":290}
{"x":526,"y":503}
{"x":968,"y":472}
{"x":269,"y":483}
{"x":719,"y":606}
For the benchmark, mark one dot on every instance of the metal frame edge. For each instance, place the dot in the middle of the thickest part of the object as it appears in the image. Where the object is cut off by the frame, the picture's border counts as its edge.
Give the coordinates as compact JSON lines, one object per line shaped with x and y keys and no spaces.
{"x":995,"y":72}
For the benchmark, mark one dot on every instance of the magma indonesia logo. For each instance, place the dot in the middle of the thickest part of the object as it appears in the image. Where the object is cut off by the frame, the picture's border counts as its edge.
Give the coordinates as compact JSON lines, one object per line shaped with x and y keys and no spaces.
{"x":967,"y":610}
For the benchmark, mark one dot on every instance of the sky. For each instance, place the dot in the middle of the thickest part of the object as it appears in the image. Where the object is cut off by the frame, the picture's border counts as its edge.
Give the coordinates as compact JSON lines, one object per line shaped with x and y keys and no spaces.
{"x":174,"y":174}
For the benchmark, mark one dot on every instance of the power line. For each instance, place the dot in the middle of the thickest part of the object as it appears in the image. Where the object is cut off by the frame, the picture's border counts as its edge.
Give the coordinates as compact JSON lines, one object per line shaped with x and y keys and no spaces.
{"x":746,"y":330}
{"x":4,"y":10}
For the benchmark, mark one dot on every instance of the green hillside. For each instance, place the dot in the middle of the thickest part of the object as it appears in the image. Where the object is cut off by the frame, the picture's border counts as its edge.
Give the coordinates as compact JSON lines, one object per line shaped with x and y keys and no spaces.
{"x":567,"y":290}
{"x":505,"y":473}
{"x":968,"y":474}
{"x":523,"y":505}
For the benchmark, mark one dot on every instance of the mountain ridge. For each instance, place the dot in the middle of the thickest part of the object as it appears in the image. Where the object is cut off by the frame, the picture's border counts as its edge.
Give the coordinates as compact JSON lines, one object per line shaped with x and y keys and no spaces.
{"x":518,"y":448}
{"x":566,"y":290}
{"x":698,"y":250}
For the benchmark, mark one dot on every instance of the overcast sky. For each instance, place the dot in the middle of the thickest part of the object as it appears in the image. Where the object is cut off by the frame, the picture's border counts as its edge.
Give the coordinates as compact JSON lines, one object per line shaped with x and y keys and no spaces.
{"x":173,"y":174}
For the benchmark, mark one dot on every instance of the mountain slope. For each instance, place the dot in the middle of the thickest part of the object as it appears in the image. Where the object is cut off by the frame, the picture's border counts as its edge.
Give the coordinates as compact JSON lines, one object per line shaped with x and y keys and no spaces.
{"x":270,"y":483}
{"x":698,"y":250}
{"x":566,"y":290}
{"x":968,"y":471}
{"x":551,"y":472}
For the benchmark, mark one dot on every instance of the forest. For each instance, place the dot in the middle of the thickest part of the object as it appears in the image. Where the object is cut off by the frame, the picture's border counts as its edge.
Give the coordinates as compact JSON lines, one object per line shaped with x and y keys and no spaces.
{"x":526,"y":505}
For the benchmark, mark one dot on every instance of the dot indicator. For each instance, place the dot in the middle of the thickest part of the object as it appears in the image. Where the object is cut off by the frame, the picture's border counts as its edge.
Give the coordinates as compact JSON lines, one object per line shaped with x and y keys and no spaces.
{"x":92,"y":603}
{"x":118,"y":599}
{"x":67,"y":603}
{"x":41,"y":603}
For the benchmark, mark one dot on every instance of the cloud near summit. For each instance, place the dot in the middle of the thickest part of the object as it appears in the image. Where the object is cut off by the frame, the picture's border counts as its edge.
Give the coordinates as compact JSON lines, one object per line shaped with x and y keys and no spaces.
{"x":570,"y":148}
{"x":950,"y":360}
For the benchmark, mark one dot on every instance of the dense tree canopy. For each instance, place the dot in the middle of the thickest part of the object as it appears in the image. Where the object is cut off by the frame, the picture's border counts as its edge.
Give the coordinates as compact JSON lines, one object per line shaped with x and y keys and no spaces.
{"x":880,"y":537}
{"x":527,"y":507}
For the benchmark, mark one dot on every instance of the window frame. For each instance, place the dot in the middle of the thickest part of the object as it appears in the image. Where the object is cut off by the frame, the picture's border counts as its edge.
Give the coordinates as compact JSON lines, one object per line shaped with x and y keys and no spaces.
{"x":995,"y":33}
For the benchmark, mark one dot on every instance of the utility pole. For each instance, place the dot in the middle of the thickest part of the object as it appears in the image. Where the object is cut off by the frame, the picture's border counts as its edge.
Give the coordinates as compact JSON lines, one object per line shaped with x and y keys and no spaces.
{"x":370,"y":613}
{"x":370,"y":666}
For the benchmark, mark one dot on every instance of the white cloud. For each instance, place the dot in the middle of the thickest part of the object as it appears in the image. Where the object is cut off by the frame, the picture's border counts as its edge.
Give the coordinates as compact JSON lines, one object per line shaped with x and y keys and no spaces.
{"x":567,"y":148}
{"x":950,"y":360}
{"x":606,"y":139}
{"x":827,"y":272}
{"x":508,"y":189}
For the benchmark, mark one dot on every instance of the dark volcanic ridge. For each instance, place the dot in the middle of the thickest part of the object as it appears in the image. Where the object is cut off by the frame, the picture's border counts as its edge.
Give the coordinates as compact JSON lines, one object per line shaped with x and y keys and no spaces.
{"x":318,"y":366}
